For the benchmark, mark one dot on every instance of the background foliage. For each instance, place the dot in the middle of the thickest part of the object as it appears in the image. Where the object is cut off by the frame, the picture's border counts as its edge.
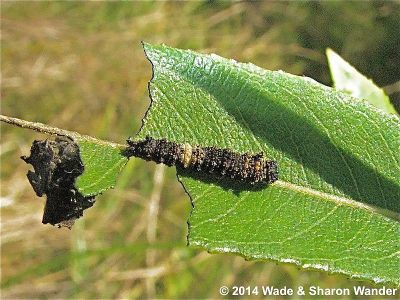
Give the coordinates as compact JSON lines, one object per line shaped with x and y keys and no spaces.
{"x":81,"y":67}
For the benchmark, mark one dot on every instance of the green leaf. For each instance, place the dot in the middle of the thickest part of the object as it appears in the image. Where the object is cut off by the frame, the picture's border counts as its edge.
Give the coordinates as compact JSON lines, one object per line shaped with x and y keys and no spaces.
{"x":347,"y":79}
{"x":335,"y":207}
{"x":103,"y":162}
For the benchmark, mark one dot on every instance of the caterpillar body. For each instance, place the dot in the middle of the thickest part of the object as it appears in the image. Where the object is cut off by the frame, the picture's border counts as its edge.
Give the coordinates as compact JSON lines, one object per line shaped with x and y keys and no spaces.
{"x":246,"y":167}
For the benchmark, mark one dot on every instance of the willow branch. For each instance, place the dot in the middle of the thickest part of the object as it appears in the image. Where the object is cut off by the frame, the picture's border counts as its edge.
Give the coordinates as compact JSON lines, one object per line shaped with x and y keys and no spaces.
{"x":46,"y":129}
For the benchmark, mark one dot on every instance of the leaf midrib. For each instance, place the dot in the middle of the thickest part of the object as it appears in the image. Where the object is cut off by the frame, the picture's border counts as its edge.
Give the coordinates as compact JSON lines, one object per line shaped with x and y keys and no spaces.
{"x":339,"y":200}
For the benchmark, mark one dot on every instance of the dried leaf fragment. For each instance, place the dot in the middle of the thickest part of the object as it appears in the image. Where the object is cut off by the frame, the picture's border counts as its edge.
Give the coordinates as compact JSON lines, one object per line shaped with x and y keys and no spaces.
{"x":56,"y":166}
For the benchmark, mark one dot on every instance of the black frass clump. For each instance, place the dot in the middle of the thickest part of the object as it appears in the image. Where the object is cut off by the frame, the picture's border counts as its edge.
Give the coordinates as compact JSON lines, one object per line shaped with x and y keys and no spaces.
{"x":56,"y":166}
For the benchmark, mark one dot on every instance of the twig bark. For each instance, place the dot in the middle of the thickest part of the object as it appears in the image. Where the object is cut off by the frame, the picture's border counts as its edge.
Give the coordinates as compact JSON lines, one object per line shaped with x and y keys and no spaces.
{"x":46,"y":129}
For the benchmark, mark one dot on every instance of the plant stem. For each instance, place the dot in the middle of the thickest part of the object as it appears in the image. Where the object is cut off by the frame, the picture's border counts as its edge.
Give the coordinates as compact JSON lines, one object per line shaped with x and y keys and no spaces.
{"x":46,"y":129}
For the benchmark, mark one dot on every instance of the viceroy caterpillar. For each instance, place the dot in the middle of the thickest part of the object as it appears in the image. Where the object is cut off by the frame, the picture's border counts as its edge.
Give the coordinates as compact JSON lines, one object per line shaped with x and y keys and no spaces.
{"x":246,"y":167}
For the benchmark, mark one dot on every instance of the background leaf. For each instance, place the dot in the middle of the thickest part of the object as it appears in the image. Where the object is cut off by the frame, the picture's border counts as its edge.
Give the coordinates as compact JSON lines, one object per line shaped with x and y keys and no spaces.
{"x":335,"y":206}
{"x":347,"y":79}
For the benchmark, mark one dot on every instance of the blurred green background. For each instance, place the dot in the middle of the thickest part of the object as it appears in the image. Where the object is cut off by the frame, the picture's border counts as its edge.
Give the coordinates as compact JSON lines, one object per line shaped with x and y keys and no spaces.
{"x":80,"y":66}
